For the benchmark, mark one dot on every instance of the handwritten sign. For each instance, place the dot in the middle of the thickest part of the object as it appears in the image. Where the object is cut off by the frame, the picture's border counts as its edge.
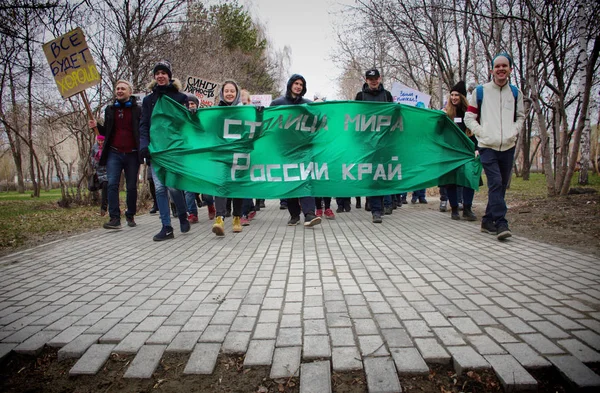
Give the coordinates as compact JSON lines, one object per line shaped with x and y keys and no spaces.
{"x":406,"y":95}
{"x":205,"y":90}
{"x":261,"y":100}
{"x":71,"y":62}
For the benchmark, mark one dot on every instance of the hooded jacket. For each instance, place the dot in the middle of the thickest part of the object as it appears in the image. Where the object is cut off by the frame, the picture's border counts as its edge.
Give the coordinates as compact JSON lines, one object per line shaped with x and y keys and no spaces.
{"x":238,"y":97}
{"x":288,"y":99}
{"x":378,"y":95}
{"x":173,"y":90}
{"x":496,"y":128}
{"x":108,"y":129}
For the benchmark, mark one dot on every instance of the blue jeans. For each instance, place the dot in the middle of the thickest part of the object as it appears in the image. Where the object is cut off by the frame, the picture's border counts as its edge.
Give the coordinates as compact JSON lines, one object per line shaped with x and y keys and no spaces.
{"x":190,"y":201}
{"x":162,"y":200}
{"x":377,"y":203}
{"x":498,"y":167}
{"x":247,"y":206}
{"x":418,"y":194}
{"x":208,"y":199}
{"x":116,"y":163}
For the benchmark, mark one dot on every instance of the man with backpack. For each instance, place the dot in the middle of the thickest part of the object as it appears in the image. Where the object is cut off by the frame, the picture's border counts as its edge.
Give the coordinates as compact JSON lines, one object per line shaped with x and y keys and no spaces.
{"x":495,"y":115}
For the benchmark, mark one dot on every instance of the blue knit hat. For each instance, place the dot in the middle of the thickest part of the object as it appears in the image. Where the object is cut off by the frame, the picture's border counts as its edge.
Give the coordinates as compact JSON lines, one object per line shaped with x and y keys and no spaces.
{"x":503,"y":54}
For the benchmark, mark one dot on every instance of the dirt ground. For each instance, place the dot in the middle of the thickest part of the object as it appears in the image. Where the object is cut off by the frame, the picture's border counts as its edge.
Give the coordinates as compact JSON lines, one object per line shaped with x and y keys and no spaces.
{"x":45,"y":373}
{"x":570,"y":221}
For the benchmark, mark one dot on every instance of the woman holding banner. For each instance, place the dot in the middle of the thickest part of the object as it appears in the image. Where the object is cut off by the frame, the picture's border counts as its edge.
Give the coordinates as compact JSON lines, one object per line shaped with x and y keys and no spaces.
{"x":230,"y":96}
{"x":456,"y":108}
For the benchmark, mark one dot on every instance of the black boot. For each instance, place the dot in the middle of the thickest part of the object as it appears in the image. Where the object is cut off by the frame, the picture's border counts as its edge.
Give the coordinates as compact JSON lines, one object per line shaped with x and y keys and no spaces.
{"x":468,"y":213}
{"x":455,"y":215}
{"x":358,"y":203}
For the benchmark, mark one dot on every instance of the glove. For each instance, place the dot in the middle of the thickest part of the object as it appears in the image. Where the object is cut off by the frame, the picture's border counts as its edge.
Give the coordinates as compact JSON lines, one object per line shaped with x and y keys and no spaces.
{"x":145,"y":153}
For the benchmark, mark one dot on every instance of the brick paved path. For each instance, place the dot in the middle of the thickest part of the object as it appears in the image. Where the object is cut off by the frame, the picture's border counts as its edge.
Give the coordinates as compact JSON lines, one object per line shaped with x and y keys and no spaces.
{"x":390,"y":299}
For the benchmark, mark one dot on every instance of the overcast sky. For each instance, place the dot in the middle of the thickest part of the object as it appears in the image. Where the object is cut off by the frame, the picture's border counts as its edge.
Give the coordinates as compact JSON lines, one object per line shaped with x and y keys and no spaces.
{"x":307,"y":27}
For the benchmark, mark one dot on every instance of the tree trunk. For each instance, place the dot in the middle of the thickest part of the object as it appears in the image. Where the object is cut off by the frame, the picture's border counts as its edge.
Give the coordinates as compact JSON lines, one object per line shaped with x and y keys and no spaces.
{"x":585,"y":71}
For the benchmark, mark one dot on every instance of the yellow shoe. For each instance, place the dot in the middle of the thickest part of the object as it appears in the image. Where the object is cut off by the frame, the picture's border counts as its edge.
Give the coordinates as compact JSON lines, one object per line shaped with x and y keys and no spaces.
{"x":237,"y":224}
{"x":219,"y":226}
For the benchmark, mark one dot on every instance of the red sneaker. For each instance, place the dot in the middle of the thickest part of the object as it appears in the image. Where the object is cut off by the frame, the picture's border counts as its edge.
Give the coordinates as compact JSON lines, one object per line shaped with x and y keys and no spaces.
{"x":329,"y":214}
{"x":319,"y":213}
{"x":244,"y":221}
{"x":211,"y":212}
{"x":193,"y":219}
{"x":251,"y":215}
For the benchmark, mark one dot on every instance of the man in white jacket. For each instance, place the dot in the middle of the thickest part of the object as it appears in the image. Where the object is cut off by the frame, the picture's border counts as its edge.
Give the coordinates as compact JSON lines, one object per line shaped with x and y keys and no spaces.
{"x":497,"y":124}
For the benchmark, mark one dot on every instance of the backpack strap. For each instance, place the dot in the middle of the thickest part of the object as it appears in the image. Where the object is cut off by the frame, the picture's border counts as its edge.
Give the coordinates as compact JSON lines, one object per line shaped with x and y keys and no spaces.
{"x":479,"y":91}
{"x":515,"y":93}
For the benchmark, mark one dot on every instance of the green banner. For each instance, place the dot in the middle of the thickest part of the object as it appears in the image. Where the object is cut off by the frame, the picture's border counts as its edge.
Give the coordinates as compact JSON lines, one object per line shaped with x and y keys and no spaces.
{"x":337,"y":149}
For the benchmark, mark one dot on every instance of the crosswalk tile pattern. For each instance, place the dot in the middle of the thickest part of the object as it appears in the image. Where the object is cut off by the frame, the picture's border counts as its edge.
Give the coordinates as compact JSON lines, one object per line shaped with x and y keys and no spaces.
{"x":390,"y":299}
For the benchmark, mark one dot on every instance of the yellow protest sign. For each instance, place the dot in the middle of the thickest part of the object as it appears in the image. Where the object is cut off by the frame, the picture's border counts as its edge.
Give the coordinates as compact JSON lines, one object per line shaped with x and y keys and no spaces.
{"x":71,"y":63}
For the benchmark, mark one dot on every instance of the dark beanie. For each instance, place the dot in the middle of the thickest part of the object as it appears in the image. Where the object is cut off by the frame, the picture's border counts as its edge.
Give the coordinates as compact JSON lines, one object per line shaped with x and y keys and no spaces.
{"x":165,"y":66}
{"x":194,"y":99}
{"x":460,"y":87}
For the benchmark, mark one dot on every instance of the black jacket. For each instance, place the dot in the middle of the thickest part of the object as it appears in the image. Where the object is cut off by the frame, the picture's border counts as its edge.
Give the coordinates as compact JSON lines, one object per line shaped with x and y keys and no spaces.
{"x":379,"y":95}
{"x":288,"y":99}
{"x":173,"y":90}
{"x":108,"y":129}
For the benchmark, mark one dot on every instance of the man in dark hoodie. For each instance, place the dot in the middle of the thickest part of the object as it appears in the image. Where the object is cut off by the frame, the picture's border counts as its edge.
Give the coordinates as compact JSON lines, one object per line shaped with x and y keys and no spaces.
{"x":120,"y":152}
{"x":296,"y":88}
{"x":373,"y":91}
{"x":163,"y":84}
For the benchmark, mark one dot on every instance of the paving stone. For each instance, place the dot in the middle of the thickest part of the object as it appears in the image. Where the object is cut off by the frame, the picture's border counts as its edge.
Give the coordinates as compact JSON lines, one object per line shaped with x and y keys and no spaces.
{"x":92,"y":360}
{"x":78,"y":346}
{"x":409,"y":361}
{"x":150,"y":324}
{"x":163,"y":335}
{"x":21,"y":335}
{"x":316,"y":347}
{"x":184,"y":342}
{"x":214,"y":334}
{"x":396,"y":338}
{"x":313,"y":327}
{"x":5,"y":349}
{"x":418,"y":329}
{"x":66,"y":336}
{"x":260,"y":353}
{"x":132,"y":343}
{"x":102,"y":326}
{"x":449,"y":336}
{"x":576,"y":373}
{"x":512,"y":376}
{"x":541,"y":344}
{"x":466,"y":325}
{"x":381,"y":375}
{"x":372,"y":345}
{"x":526,"y":355}
{"x":579,"y":350}
{"x":145,"y":362}
{"x":117,"y":333}
{"x":500,"y":335}
{"x":346,"y":359}
{"x":315,"y":377}
{"x":465,"y":358}
{"x":432,"y":351}
{"x":342,"y":337}
{"x":265,"y":331}
{"x":34,"y":344}
{"x":485,"y":345}
{"x":289,"y":337}
{"x":236,"y":342}
{"x":286,"y":362}
{"x":590,"y":338}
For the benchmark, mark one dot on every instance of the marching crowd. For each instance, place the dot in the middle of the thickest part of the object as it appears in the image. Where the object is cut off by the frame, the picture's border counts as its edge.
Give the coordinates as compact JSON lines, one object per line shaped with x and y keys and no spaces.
{"x":493,"y":125}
